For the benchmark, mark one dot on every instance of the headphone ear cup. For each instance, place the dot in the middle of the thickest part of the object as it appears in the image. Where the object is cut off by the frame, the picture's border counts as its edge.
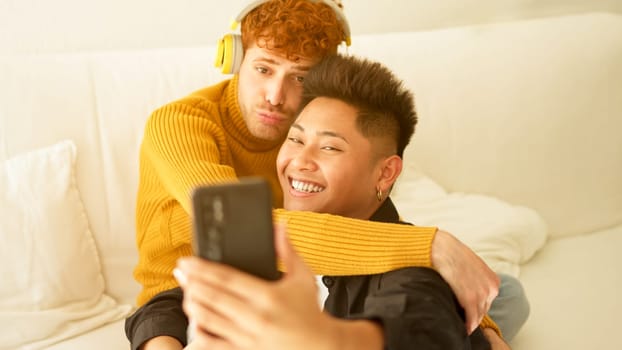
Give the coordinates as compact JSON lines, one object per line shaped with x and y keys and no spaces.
{"x":229,"y":54}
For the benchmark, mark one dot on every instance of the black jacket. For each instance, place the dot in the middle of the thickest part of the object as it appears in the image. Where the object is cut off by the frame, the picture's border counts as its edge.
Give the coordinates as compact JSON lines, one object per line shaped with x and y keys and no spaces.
{"x":415,"y":306}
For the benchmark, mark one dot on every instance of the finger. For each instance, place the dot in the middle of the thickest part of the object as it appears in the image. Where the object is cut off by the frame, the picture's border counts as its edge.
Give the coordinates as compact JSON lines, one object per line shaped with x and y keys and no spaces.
{"x":293,"y":262}
{"x":493,"y":293}
{"x":472,"y":318}
{"x":204,"y":340}
{"x":285,"y":251}
{"x":207,"y":320}
{"x":207,"y":295}
{"x":281,"y":241}
{"x":206,"y":300}
{"x":216,"y":274}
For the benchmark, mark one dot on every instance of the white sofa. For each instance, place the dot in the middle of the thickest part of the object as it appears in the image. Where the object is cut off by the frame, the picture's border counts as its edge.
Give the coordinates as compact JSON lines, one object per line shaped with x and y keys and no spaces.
{"x":527,"y":112}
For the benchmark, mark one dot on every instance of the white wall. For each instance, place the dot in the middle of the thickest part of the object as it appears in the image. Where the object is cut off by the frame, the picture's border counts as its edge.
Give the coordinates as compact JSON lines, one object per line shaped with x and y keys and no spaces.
{"x":35,"y":26}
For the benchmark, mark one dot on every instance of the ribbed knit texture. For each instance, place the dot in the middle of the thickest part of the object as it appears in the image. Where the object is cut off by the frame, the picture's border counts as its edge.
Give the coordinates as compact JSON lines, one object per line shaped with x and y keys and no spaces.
{"x":203,"y":139}
{"x":487,"y":322}
{"x":336,"y":246}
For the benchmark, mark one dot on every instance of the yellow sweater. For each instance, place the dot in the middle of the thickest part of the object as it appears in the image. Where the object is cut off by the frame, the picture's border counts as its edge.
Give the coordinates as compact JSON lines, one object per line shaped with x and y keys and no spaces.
{"x":203,"y":139}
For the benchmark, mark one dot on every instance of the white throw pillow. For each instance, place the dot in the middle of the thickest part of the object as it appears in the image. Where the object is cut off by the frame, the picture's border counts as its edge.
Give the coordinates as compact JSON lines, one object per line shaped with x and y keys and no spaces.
{"x":52,"y":284}
{"x":502,"y":234}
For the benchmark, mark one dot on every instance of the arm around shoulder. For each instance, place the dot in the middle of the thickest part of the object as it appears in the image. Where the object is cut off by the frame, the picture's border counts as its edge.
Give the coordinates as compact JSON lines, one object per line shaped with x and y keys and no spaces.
{"x":338,"y":246}
{"x":473,"y":282}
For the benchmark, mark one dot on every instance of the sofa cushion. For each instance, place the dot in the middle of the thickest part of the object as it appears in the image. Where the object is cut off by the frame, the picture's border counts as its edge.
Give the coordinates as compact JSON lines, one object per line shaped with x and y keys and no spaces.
{"x":502,"y":234}
{"x":574,"y":286}
{"x":108,"y":337}
{"x":52,"y":286}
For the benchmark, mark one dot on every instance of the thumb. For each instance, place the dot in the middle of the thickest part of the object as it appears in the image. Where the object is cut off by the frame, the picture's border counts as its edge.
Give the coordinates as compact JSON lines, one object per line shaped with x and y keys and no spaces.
{"x":292,"y":262}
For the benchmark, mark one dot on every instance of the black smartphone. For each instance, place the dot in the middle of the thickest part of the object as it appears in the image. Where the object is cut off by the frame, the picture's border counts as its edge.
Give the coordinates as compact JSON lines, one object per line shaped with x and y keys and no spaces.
{"x":232,"y":224}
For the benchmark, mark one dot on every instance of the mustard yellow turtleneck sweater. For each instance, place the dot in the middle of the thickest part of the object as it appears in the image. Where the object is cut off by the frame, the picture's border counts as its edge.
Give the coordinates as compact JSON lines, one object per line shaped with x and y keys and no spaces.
{"x":203,"y":139}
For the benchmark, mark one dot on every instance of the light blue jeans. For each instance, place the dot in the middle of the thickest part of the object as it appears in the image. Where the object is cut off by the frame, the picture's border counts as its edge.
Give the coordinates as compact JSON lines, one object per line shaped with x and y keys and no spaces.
{"x":511,"y":308}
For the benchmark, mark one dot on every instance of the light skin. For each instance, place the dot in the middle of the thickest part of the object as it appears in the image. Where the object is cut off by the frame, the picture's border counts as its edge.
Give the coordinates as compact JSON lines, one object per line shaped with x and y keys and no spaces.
{"x":269,"y":92}
{"x":316,"y":163}
{"x":233,"y":310}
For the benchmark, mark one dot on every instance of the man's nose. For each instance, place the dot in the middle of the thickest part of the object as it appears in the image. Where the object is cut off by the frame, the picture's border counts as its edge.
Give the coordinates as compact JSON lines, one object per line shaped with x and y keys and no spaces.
{"x":275,"y":91}
{"x":305,"y":160}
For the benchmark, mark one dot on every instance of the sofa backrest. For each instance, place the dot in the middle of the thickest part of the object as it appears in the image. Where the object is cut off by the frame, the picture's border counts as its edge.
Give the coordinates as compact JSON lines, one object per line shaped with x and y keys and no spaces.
{"x":526,"y":111}
{"x":101,"y":101}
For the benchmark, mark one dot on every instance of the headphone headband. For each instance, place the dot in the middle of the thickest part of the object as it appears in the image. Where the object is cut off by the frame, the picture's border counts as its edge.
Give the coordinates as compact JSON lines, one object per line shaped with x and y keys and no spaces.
{"x":230,"y":50}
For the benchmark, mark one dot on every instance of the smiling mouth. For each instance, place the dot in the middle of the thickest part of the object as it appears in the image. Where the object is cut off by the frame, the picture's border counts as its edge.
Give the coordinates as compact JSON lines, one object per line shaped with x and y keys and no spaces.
{"x":306,"y":187}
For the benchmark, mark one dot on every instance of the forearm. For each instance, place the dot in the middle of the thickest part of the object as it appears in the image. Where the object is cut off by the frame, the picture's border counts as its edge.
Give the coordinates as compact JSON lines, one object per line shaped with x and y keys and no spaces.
{"x":161,"y":318}
{"x":162,"y":343}
{"x":337,"y":246}
{"x":496,"y":342}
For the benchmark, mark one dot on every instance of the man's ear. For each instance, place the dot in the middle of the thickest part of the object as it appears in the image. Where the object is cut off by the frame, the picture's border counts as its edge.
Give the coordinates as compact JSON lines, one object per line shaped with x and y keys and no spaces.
{"x":391,"y":168}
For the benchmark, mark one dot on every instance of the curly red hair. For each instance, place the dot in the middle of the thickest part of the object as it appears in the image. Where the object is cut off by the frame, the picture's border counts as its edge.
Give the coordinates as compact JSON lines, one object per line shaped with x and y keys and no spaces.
{"x":296,"y":28}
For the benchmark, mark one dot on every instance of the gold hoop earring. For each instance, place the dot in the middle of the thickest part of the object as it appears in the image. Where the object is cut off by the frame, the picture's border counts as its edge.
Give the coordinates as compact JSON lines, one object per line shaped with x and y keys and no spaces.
{"x":379,"y":195}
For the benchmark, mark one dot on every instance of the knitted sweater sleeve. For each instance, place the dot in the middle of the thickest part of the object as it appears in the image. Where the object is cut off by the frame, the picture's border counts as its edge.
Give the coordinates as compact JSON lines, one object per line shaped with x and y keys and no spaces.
{"x":184,"y":148}
{"x":487,"y":322}
{"x":336,"y":246}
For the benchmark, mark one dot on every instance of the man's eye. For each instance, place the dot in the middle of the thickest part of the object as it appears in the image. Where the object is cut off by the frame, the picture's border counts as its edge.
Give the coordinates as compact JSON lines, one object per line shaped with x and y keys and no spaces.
{"x":300,"y":79}
{"x":331,"y":148}
{"x":294,"y":140}
{"x":262,"y":70}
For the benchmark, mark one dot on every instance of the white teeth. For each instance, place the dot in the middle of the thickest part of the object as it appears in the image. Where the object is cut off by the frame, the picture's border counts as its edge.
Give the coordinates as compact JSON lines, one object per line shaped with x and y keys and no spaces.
{"x":306,"y":187}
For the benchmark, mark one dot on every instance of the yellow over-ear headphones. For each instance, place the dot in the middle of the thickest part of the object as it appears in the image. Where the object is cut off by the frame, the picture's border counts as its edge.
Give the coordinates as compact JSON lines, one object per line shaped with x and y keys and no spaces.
{"x":229,"y":48}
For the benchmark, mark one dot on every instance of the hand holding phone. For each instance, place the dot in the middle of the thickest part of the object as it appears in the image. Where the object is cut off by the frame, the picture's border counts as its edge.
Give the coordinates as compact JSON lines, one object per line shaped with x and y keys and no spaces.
{"x":232,"y":224}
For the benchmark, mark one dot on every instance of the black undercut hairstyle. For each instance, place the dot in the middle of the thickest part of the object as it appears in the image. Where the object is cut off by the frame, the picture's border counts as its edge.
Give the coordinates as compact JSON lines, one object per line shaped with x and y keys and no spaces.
{"x":384,"y":106}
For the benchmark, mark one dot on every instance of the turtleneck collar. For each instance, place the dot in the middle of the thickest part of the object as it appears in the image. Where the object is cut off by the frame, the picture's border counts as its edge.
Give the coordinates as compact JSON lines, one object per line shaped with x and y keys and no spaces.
{"x":235,"y":125}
